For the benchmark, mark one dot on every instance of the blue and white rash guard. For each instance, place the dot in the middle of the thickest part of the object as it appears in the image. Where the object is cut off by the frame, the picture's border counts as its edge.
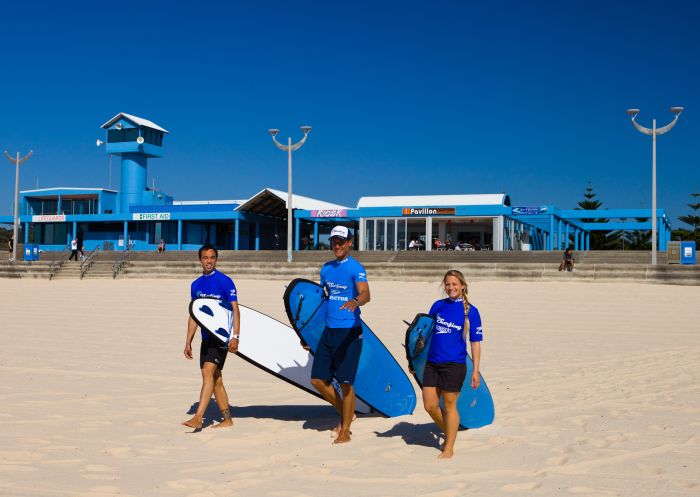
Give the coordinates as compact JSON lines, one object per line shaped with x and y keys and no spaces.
{"x":214,"y":285}
{"x":340,"y":278}
{"x":447,"y":343}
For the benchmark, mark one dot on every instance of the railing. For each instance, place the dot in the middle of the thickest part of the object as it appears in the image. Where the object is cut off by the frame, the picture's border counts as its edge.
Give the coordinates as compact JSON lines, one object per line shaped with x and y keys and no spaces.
{"x":89,"y":261}
{"x":58,"y":264}
{"x":120,"y":263}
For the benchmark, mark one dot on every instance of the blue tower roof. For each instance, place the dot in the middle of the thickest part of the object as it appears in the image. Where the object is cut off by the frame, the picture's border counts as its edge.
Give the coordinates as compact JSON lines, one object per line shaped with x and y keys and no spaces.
{"x":137,"y":121}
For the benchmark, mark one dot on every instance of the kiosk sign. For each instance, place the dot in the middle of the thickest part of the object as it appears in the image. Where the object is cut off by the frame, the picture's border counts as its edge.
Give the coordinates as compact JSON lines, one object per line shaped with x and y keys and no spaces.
{"x":329,"y":213}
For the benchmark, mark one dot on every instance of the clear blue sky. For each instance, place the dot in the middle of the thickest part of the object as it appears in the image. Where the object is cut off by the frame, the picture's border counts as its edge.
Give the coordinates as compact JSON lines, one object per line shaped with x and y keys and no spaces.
{"x":436,"y":97}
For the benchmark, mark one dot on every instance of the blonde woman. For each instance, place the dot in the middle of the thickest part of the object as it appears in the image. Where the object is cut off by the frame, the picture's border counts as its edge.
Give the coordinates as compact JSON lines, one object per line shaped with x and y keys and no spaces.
{"x":446,"y":367}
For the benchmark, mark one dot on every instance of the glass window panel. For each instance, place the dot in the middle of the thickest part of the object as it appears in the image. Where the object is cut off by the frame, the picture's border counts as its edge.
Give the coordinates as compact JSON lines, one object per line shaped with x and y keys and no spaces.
{"x":390,"y":234}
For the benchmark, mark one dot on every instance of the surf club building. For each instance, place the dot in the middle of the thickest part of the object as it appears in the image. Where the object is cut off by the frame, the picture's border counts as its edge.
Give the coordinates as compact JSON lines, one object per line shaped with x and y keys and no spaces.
{"x":137,"y":217}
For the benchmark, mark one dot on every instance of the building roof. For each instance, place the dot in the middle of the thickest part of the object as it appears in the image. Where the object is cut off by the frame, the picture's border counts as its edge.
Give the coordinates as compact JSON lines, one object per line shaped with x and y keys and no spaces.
{"x":69,"y":188}
{"x":271,"y":202}
{"x":434,"y":200}
{"x":139,"y":121}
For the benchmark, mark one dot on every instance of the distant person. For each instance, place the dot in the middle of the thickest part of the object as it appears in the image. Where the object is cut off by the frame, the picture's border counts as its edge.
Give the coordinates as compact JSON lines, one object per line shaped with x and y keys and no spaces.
{"x":81,"y":250}
{"x":448,"y":245}
{"x":161,"y":246}
{"x":73,"y":249}
{"x":446,"y":365}
{"x":338,"y":352}
{"x":525,"y":240}
{"x":567,"y":261}
{"x":11,"y":247}
{"x":212,"y":352}
{"x":413,"y":245}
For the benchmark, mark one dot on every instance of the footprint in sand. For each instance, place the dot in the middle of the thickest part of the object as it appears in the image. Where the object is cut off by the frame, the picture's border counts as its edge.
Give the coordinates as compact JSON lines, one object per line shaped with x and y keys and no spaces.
{"x":99,"y":472}
{"x":521,"y":487}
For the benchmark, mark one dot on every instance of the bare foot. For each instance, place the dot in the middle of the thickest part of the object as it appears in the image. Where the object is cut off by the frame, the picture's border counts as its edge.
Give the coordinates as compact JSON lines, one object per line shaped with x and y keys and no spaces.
{"x":224,"y":424}
{"x":337,"y":428}
{"x":343,"y":437}
{"x":446,"y":454}
{"x":194,"y":423}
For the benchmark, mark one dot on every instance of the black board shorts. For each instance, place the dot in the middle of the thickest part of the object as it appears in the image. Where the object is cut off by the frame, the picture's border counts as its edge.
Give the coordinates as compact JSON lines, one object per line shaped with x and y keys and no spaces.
{"x":447,"y":376}
{"x":212,"y":350}
{"x":338,"y":355}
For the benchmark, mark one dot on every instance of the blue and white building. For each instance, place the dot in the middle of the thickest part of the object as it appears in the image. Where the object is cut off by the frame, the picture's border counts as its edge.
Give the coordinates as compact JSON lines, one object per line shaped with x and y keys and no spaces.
{"x":137,"y":216}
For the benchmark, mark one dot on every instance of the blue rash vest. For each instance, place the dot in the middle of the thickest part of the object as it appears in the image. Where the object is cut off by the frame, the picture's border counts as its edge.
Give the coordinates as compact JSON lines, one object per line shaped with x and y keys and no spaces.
{"x":447,"y":343}
{"x":215,"y":285}
{"x":340,"y":278}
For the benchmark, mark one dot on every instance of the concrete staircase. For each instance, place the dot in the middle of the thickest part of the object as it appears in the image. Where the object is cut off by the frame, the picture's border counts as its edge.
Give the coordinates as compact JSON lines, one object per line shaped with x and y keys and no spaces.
{"x":630,"y":266}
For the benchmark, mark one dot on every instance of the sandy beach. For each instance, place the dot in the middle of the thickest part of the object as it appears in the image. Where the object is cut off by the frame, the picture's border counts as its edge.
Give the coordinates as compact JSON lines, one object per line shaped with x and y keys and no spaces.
{"x":596,"y":388}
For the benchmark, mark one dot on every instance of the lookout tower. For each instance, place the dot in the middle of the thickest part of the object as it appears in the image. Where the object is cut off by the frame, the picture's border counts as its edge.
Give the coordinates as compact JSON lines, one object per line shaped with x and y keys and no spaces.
{"x":136,"y":140}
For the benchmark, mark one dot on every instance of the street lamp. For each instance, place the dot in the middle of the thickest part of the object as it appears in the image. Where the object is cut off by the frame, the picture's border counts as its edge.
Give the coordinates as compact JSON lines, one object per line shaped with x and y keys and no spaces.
{"x":17,"y":161}
{"x":289,"y":148}
{"x":654,"y":132}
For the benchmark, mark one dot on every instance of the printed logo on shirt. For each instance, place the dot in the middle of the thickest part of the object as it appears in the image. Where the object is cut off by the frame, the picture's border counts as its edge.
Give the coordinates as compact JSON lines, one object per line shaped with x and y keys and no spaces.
{"x":200,"y":293}
{"x":444,"y":326}
{"x":478,"y":330}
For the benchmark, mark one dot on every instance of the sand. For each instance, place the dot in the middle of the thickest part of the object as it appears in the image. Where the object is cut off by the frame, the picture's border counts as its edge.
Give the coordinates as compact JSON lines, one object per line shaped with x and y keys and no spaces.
{"x":596,"y":388}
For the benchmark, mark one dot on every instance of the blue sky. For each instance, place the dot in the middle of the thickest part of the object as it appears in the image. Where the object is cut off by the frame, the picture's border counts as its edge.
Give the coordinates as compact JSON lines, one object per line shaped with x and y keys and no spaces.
{"x":405,"y":98}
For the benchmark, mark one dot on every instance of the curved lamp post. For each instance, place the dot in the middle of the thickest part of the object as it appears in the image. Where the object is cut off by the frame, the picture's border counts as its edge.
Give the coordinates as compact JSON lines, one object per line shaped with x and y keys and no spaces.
{"x":654,"y":132}
{"x":289,"y":148}
{"x":17,"y":161}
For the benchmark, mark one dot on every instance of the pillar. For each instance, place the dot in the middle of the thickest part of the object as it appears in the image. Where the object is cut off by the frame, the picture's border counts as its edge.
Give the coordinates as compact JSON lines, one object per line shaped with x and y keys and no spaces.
{"x":179,"y":234}
{"x":315,"y":235}
{"x":257,"y":236}
{"x":236,"y":233}
{"x":126,"y":235}
{"x":296,"y":234}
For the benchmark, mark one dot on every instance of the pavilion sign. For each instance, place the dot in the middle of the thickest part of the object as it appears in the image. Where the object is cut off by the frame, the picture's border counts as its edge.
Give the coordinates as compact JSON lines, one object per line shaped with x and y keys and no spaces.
{"x":529,"y":210}
{"x":428,"y":211}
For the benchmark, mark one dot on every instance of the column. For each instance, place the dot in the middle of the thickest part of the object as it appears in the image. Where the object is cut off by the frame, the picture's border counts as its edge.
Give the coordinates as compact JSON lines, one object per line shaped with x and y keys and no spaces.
{"x":296,"y":234}
{"x":588,"y":241}
{"x":360,"y":236}
{"x":236,"y":233}
{"x":257,"y":236}
{"x":315,"y":235}
{"x":126,"y":235}
{"x":428,"y":233}
{"x":550,"y":237}
{"x":26,"y":233}
{"x":566,"y":236}
{"x":559,"y":244}
{"x":179,"y":234}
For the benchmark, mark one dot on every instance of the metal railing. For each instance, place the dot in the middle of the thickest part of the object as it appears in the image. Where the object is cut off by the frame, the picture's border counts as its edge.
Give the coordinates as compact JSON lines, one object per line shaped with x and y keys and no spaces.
{"x":89,"y":261}
{"x":120,"y":263}
{"x":58,"y":264}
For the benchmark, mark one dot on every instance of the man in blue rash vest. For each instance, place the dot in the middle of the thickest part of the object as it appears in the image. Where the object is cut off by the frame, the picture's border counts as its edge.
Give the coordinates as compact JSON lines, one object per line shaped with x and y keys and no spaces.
{"x":213,"y":352}
{"x":339,"y":348}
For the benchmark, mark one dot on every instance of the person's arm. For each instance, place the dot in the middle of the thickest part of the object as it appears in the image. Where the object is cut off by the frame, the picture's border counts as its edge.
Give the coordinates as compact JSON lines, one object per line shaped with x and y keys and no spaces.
{"x":191,"y":329}
{"x":361,"y":299}
{"x":476,"y":358}
{"x":233,"y":343}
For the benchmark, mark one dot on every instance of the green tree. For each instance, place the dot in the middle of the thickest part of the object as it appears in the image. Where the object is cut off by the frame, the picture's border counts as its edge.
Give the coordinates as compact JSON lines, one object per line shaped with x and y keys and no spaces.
{"x":599,"y":240}
{"x":692,"y":219}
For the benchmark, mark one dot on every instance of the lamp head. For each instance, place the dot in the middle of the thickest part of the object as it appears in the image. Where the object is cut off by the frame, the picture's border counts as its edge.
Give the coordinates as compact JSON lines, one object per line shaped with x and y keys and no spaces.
{"x":99,"y":142}
{"x":273,"y":132}
{"x":140,"y":140}
{"x":632,"y":112}
{"x":676,"y":111}
{"x":306,"y":129}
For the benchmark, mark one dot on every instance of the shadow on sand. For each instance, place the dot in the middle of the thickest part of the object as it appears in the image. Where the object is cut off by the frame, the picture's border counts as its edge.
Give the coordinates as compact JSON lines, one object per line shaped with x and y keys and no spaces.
{"x":426,"y":434}
{"x":319,"y":418}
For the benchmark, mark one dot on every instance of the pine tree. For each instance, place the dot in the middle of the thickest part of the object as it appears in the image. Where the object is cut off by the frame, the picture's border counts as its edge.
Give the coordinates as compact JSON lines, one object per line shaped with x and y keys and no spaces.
{"x":692,"y":219}
{"x":599,"y":241}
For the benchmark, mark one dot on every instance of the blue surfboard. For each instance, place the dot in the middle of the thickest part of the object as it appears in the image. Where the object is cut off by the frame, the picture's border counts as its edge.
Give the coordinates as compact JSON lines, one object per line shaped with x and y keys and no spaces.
{"x":475,"y":406}
{"x":380,"y":380}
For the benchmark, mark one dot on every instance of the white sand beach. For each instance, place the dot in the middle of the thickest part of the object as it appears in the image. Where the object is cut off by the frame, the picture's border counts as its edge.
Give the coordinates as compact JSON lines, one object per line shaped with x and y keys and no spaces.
{"x":596,"y":387}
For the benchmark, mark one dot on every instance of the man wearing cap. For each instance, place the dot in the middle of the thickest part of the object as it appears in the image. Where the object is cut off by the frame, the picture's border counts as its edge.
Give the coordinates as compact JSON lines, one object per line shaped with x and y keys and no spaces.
{"x":338,"y":352}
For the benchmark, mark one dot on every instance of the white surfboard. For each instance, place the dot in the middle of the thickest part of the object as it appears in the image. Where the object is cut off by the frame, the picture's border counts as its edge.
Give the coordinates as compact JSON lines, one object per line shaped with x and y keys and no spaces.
{"x":265,"y":342}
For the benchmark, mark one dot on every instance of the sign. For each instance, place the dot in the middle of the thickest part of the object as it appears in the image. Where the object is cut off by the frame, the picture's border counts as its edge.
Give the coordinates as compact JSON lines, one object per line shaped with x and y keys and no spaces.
{"x":528,"y":210}
{"x":428,"y":211}
{"x":151,"y":216}
{"x":49,"y":218}
{"x":330,"y":213}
